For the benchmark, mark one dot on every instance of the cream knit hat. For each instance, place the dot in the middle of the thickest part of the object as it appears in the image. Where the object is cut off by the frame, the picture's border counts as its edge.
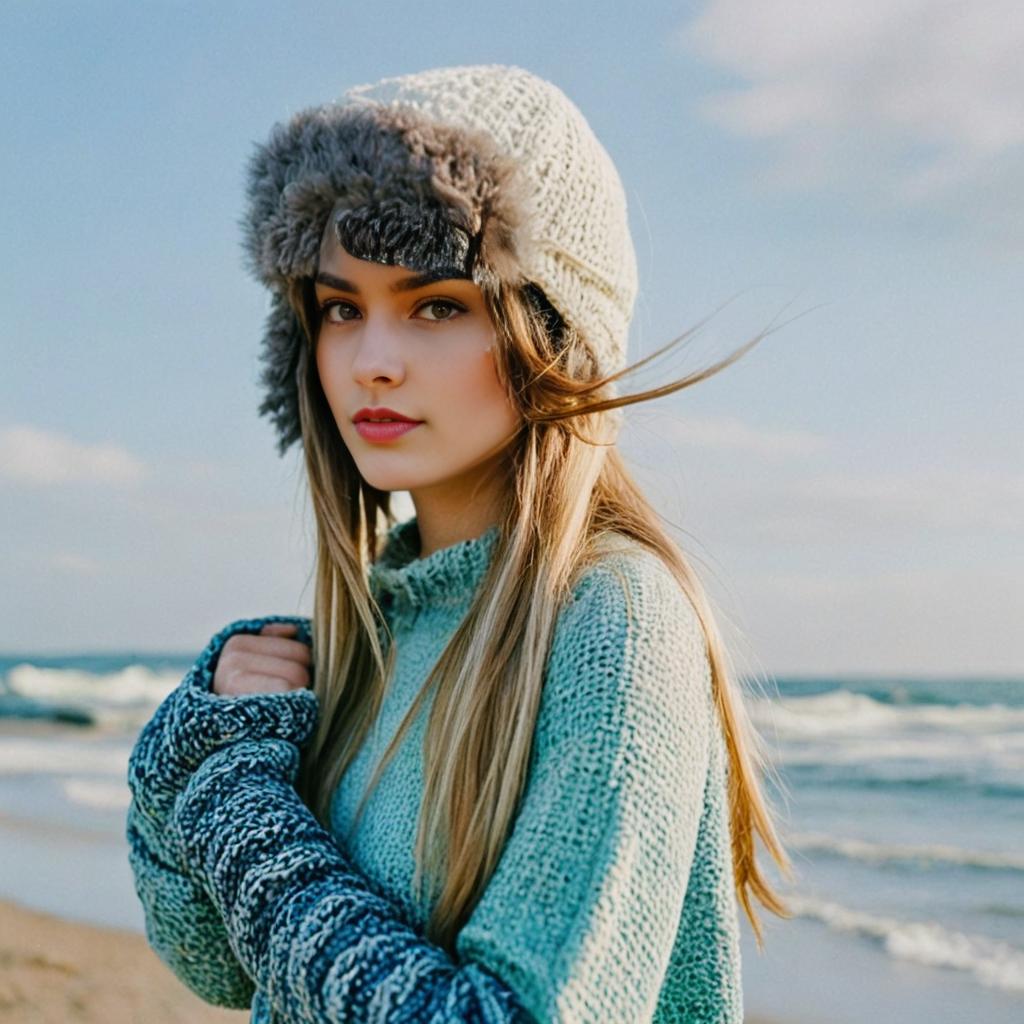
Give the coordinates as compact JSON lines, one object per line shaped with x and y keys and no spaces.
{"x":488,"y":169}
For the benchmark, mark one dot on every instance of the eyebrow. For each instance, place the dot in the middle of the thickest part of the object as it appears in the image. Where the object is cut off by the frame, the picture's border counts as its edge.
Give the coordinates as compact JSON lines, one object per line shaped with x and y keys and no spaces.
{"x":406,"y":284}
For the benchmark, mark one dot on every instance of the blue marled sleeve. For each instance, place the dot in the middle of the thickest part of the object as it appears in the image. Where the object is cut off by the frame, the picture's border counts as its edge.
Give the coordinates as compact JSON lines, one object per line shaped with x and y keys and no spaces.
{"x":182,"y":925}
{"x":321,"y":943}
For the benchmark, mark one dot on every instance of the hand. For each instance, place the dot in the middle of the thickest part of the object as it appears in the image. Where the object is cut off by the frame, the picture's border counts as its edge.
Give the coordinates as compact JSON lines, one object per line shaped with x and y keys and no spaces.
{"x":193,"y":721}
{"x":266,"y":663}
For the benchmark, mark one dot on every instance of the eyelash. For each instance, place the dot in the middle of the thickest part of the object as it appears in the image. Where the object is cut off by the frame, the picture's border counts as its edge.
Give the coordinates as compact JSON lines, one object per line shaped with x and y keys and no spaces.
{"x":457,"y":306}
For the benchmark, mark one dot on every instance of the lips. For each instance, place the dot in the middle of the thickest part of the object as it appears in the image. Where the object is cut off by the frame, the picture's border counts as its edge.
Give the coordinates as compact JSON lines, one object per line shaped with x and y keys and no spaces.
{"x":376,"y":431}
{"x":368,"y":414}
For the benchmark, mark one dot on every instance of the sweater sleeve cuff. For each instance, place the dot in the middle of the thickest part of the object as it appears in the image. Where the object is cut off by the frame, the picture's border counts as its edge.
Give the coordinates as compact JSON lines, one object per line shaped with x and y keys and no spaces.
{"x":203,"y":721}
{"x":192,"y":722}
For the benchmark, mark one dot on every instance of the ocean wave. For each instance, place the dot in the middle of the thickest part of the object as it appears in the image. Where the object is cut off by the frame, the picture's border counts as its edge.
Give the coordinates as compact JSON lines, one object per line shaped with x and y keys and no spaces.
{"x":119,"y":699}
{"x":13,"y":705}
{"x":130,"y":686}
{"x":995,"y":964}
{"x":1006,"y":749}
{"x":938,"y":780}
{"x":891,"y":853}
{"x":841,"y":713}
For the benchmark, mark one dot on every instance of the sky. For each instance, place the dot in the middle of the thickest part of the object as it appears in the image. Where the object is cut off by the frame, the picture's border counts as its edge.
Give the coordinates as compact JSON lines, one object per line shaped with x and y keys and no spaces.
{"x":851,"y":491}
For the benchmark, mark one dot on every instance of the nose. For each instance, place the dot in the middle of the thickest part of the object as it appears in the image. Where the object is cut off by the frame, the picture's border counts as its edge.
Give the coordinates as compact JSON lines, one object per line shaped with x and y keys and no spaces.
{"x":378,"y":359}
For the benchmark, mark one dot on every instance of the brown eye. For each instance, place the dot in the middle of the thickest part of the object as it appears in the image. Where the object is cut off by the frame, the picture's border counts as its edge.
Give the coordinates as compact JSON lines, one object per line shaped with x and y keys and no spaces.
{"x":335,"y":311}
{"x":440,"y":309}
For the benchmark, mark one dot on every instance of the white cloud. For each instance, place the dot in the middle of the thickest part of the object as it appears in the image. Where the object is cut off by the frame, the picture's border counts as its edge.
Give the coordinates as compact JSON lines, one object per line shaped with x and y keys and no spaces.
{"x":33,"y":456}
{"x":920,"y":98}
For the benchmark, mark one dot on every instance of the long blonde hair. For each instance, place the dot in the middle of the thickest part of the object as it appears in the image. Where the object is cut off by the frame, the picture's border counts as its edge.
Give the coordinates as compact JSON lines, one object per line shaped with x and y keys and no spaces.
{"x":569,"y":493}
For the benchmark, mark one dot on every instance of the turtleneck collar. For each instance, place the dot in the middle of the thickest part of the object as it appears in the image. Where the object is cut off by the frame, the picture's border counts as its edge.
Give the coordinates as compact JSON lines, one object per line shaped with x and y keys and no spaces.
{"x":448,"y":576}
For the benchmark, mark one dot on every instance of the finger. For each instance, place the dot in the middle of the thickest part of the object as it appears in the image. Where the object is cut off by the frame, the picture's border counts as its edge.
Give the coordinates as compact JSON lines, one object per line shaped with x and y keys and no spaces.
{"x":251,"y":682}
{"x":279,"y":629}
{"x":286,"y":669}
{"x":278,"y":647}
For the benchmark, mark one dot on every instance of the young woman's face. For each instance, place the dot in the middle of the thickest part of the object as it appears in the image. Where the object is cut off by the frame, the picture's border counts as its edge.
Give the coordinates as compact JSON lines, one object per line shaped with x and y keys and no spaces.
{"x":424,"y":350}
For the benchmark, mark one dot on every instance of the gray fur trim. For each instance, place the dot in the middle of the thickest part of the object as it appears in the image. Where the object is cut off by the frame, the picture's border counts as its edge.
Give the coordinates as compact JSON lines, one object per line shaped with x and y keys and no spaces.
{"x":402,"y":189}
{"x":283,"y":338}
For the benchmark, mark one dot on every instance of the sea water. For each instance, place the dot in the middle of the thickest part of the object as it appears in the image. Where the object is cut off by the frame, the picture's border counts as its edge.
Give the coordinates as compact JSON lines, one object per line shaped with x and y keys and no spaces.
{"x":900,"y":801}
{"x":902,"y":807}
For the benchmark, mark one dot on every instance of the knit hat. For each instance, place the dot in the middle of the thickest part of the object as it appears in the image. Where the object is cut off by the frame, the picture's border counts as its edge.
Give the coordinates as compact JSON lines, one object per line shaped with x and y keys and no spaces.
{"x":486,"y":168}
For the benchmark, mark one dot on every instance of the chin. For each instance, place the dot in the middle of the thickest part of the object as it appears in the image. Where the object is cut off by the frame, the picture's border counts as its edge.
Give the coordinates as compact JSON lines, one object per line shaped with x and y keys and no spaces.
{"x":385,"y":480}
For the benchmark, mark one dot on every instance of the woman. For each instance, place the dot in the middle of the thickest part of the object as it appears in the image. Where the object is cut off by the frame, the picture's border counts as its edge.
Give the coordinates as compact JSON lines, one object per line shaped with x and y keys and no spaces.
{"x":526,"y":790}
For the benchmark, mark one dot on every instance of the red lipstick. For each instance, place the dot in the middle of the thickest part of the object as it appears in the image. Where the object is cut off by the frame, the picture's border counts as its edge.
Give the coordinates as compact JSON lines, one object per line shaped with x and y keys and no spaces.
{"x":368,"y":424}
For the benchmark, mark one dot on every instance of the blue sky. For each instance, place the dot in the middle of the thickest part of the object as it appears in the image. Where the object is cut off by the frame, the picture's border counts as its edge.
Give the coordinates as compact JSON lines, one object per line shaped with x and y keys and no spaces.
{"x":852,"y":490}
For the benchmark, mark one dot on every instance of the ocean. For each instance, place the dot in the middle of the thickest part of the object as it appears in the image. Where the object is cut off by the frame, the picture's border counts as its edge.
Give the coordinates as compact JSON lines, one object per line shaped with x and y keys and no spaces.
{"x":900,"y":801}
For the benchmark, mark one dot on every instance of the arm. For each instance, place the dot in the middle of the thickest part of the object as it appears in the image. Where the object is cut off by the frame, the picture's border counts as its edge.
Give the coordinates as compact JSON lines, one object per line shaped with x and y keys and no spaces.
{"x":583,"y":909}
{"x":182,"y":925}
{"x":319,"y":941}
{"x":579,"y":919}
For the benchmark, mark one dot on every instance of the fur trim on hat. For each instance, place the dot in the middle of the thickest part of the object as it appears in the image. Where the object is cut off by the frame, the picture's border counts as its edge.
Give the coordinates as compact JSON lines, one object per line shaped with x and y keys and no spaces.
{"x":283,"y":338}
{"x":402,"y":189}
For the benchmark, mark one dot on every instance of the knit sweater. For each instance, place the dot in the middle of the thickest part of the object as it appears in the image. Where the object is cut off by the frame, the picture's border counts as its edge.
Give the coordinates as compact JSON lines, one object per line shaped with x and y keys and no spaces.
{"x":613,"y":899}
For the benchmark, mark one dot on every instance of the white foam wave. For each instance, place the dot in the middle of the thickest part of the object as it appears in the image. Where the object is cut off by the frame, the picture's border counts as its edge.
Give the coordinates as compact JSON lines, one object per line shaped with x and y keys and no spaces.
{"x":995,"y":964}
{"x":842,"y":713}
{"x":27,"y":756}
{"x":882,"y":853}
{"x":992,"y":760}
{"x":119,"y":699}
{"x":107,"y":796}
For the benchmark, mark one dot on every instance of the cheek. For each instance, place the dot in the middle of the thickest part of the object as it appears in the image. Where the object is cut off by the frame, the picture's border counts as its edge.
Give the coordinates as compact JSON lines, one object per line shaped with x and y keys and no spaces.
{"x":477,"y":395}
{"x":333,"y":371}
{"x":330,"y":368}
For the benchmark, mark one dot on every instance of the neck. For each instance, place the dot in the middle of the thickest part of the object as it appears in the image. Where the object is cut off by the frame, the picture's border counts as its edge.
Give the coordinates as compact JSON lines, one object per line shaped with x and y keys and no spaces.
{"x":446,"y":519}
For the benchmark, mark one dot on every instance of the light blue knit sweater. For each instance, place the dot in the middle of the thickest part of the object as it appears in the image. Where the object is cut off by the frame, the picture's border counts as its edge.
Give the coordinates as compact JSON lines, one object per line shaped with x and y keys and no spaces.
{"x":613,"y":899}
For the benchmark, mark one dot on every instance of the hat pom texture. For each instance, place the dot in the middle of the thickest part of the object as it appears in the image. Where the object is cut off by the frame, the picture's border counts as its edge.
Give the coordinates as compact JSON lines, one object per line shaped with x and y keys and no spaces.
{"x":485,"y":167}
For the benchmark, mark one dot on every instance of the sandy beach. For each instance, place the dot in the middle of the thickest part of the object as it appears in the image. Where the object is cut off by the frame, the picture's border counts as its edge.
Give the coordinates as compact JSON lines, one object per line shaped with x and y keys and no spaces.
{"x":55,"y":971}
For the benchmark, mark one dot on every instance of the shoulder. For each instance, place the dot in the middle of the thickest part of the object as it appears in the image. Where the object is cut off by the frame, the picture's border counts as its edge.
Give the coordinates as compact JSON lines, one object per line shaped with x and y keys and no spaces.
{"x":628,"y":642}
{"x":630,"y":595}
